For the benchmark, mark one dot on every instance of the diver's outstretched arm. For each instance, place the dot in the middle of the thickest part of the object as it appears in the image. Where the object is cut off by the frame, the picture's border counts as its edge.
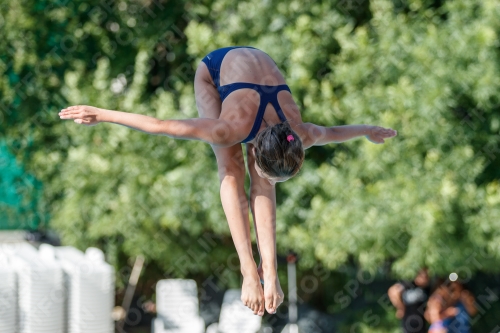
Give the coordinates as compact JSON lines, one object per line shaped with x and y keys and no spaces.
{"x":319,"y":135}
{"x":213,"y":131}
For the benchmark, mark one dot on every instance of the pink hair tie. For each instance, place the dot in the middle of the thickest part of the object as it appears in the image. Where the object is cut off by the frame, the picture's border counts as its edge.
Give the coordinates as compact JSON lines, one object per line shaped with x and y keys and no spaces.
{"x":290,"y":138}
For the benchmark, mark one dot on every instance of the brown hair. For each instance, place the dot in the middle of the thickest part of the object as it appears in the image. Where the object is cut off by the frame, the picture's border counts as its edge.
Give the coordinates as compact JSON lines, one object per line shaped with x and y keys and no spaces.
{"x":275,"y":154}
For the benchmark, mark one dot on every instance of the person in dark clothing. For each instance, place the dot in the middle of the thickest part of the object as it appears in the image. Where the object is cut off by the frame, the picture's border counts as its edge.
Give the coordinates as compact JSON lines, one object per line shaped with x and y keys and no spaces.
{"x":410,"y":299}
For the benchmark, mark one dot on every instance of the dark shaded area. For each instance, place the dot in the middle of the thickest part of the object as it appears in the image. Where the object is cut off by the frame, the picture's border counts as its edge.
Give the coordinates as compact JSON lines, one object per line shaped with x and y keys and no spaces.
{"x":358,"y":10}
{"x":482,"y":128}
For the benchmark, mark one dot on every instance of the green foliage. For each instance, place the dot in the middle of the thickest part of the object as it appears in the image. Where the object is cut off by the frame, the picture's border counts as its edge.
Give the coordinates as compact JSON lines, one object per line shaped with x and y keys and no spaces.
{"x":415,"y":199}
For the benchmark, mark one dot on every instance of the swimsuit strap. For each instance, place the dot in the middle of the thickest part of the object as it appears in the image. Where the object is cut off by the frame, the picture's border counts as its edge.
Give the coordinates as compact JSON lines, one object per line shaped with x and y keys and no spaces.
{"x":268,"y":94}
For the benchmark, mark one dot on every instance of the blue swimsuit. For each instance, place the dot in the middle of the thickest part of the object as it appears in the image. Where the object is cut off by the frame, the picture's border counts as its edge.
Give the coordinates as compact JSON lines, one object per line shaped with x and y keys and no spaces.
{"x":268,"y":94}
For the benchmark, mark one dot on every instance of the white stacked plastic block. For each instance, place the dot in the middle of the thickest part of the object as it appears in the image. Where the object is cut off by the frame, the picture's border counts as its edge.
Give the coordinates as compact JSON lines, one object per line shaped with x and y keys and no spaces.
{"x":177,"y":307}
{"x":8,"y":296}
{"x":90,"y":285}
{"x":40,"y":290}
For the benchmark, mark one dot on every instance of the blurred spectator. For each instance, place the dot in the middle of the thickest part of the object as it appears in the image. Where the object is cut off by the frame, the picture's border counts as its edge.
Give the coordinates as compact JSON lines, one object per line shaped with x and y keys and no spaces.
{"x":462,"y":301}
{"x":449,"y":309}
{"x":438,"y":309}
{"x":410,"y":298}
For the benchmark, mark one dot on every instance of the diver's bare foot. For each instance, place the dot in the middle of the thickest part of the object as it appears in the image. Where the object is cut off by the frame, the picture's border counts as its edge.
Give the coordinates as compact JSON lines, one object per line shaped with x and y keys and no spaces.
{"x":252,"y":295}
{"x":273,"y":294}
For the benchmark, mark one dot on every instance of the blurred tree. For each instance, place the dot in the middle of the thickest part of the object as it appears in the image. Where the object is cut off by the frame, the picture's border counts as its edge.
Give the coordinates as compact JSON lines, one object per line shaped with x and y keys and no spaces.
{"x":416,"y":198}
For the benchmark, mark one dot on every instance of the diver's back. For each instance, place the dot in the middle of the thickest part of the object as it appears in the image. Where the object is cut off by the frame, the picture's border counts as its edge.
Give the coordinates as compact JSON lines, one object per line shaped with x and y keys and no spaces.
{"x":249,"y":65}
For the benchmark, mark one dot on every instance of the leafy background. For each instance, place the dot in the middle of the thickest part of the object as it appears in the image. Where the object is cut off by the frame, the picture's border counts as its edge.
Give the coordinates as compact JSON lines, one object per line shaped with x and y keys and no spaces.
{"x":429,"y":197}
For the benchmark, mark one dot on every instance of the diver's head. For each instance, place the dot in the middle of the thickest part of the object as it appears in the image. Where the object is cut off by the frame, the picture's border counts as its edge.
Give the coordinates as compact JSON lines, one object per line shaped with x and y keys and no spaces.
{"x":278,"y":153}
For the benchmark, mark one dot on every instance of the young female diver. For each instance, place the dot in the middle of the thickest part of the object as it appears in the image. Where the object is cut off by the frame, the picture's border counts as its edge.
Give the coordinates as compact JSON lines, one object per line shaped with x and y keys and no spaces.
{"x":242,"y":97}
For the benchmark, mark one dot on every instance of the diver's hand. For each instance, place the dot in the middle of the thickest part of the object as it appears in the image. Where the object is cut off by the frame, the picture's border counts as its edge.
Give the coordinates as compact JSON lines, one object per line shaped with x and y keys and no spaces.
{"x":378,"y":134}
{"x":82,"y":114}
